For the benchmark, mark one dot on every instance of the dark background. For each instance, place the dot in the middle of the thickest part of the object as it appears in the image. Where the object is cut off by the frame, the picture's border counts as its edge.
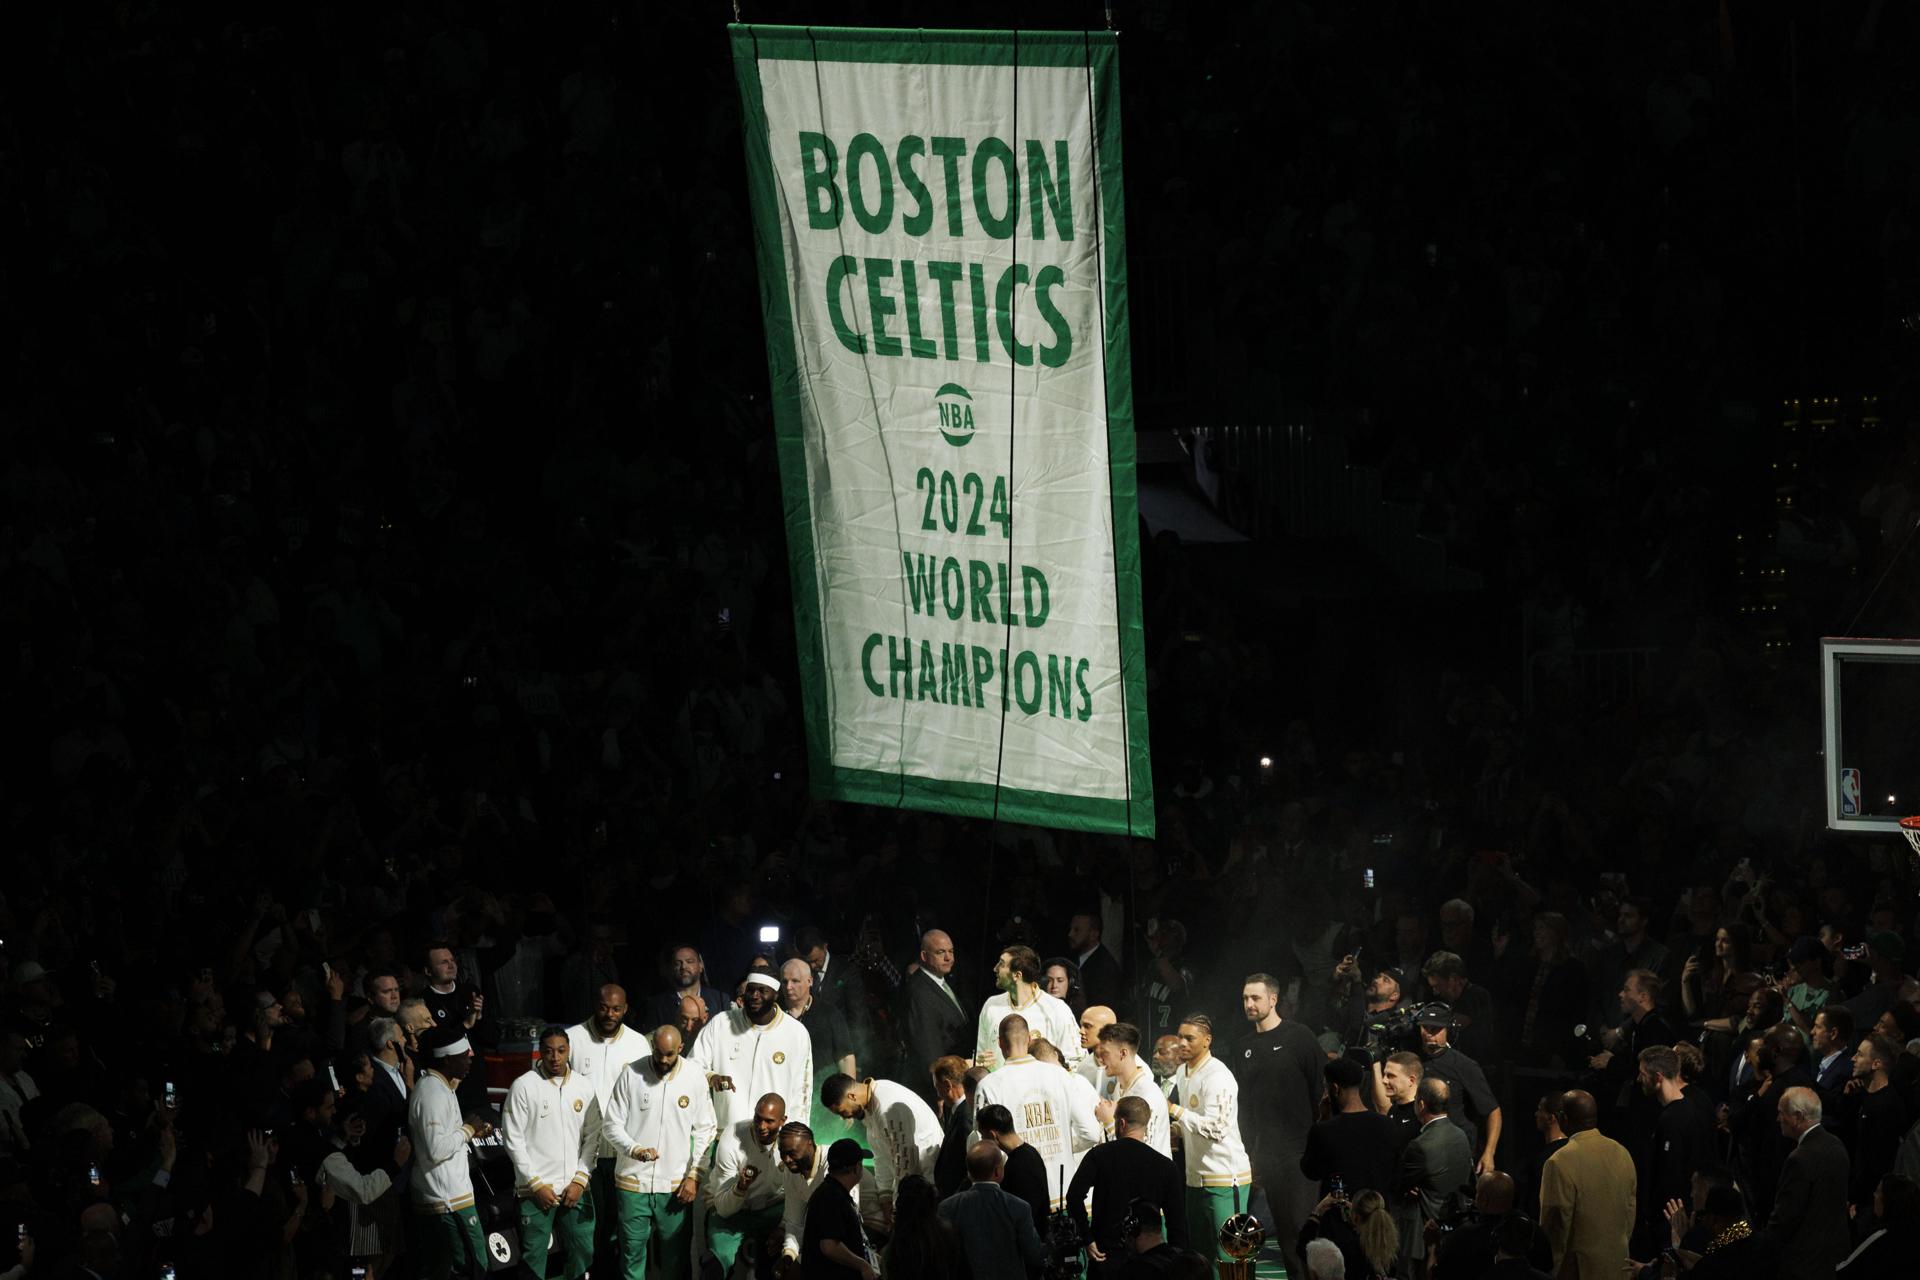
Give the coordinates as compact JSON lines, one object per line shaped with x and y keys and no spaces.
{"x":386,"y":437}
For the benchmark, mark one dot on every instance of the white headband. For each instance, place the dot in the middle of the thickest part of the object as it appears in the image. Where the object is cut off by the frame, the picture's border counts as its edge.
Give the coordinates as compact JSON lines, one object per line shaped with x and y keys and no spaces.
{"x":448,"y":1050}
{"x":758,"y":979}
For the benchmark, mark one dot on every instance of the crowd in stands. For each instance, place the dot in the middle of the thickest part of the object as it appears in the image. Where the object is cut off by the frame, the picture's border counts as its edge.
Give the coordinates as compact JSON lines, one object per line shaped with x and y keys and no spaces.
{"x":402,"y":670}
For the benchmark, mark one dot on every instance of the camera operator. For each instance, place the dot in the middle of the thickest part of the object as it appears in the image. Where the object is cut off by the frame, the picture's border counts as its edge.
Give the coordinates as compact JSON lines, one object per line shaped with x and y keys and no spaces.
{"x":1477,"y":1111}
{"x":1474,"y":1032}
{"x":1364,"y":1006}
{"x":1154,"y":1256}
{"x":1467,"y":1252}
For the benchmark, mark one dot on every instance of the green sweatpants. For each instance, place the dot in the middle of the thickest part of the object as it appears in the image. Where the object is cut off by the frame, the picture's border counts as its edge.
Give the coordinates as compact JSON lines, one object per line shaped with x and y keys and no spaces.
{"x":573,"y":1227}
{"x":746,"y":1229}
{"x":1207,"y":1209}
{"x":606,"y":1224}
{"x":451,"y":1244}
{"x":659,"y":1219}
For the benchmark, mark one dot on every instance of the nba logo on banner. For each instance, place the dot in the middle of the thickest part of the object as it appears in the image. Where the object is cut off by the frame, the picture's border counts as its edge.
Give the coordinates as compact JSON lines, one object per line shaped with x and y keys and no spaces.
{"x":1849,"y":793}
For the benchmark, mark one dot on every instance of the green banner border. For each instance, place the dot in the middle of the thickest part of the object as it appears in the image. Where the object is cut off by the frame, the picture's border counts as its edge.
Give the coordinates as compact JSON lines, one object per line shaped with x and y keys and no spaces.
{"x":1098,"y":51}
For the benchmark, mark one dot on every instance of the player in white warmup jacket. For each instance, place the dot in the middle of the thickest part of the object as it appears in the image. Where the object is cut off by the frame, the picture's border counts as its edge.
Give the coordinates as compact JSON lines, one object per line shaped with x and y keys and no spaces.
{"x":1039,"y":1097}
{"x":1017,"y":973}
{"x":755,"y":1050}
{"x":905,"y":1132}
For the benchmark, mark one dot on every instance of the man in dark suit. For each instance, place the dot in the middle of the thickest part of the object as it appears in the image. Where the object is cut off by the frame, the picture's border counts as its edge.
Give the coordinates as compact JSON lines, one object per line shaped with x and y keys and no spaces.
{"x":385,"y":1106}
{"x":934,"y":1025}
{"x":1783,"y":1060}
{"x":1808,"y":1231}
{"x":953,"y":1085}
{"x":1117,"y":1173}
{"x":689,"y":970}
{"x":1832,"y":1044}
{"x":995,"y":1229}
{"x":1100,"y":976}
{"x":1435,"y":1171}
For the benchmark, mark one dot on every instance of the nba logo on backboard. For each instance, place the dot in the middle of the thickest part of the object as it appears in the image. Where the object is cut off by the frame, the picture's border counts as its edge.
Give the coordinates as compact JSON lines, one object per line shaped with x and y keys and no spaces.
{"x":1849,"y":793}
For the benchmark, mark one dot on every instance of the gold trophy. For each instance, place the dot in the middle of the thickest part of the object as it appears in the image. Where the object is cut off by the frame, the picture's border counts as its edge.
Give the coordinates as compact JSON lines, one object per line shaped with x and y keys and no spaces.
{"x":1240,"y":1239}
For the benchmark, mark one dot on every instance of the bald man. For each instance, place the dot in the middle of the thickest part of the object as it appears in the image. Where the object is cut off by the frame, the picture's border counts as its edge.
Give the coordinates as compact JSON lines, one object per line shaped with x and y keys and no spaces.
{"x":1039,"y":1097}
{"x":693,"y":1015}
{"x":832,"y":1041}
{"x":743,"y":1196}
{"x":936,"y":1025}
{"x":660,"y":1120}
{"x":1587,"y":1195}
{"x":1096,"y":1019}
{"x":598,"y":1050}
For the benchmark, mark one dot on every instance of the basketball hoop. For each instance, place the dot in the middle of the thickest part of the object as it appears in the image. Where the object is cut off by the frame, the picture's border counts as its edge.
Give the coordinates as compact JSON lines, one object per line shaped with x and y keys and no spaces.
{"x":1910,"y":828}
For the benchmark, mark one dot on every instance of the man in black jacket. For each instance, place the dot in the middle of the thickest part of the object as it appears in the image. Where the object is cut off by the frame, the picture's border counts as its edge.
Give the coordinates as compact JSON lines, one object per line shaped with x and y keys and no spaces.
{"x":933,"y":1023}
{"x":1644,"y":1026}
{"x":1476,"y":1111}
{"x":1469,"y":1253}
{"x":1117,"y":1173}
{"x":1808,"y":1230}
{"x":1879,"y":1120}
{"x":1355,"y":1142}
{"x":1025,"y":1176}
{"x":1100,"y":977}
{"x":1783,"y":1060}
{"x":1683,"y":1140}
{"x":1278,"y":1067}
{"x":688,"y":969}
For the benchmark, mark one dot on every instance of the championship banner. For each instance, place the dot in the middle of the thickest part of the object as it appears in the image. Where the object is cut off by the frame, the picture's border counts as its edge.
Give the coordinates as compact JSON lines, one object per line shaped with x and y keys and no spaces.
{"x":942,"y":254}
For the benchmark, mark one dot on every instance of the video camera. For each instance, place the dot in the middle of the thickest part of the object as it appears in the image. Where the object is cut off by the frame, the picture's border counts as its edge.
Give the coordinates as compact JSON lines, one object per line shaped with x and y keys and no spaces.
{"x":1398,"y":1028}
{"x":1060,"y":1246}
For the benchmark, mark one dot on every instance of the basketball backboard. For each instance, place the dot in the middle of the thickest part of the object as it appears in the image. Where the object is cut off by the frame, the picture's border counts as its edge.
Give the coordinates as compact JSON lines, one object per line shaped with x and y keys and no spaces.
{"x":1870,"y":753}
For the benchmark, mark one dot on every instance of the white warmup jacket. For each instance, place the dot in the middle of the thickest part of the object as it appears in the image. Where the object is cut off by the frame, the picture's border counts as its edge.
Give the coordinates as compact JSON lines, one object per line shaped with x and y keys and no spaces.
{"x":338,"y":1174}
{"x":905,"y":1135}
{"x":602,"y":1061}
{"x":441,"y":1182}
{"x":1086,"y":1133}
{"x":1210,"y":1126}
{"x":552,"y":1130}
{"x":736,"y":1150}
{"x":671,"y":1114}
{"x":1039,"y":1096}
{"x":775,"y":1058}
{"x":1148,"y":1090}
{"x":1046,"y":1016}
